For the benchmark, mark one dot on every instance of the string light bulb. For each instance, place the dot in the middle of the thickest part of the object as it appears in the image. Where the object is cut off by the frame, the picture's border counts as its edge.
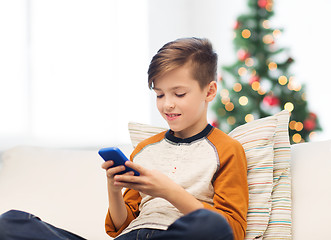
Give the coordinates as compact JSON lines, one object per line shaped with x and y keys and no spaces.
{"x":231,"y":120}
{"x":246,"y":33}
{"x":312,"y":135}
{"x":268,"y":39}
{"x":242,"y":71}
{"x":276,"y":33}
{"x":229,"y":106}
{"x":298,"y":126}
{"x":243,"y":100}
{"x":289,"y":106}
{"x":266,"y":24}
{"x":249,"y":117}
{"x":255,"y":86}
{"x":224,"y":93}
{"x":225,"y":100}
{"x":292,"y":124}
{"x":272,"y":66}
{"x":282,"y":80}
{"x":249,"y":62}
{"x":237,"y":87}
{"x":296,"y":138}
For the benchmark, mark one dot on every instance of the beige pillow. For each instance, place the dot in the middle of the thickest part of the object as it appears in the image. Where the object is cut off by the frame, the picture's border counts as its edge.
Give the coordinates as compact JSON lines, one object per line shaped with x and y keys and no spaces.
{"x":267,"y":149}
{"x":280,"y":223}
{"x":269,"y":210}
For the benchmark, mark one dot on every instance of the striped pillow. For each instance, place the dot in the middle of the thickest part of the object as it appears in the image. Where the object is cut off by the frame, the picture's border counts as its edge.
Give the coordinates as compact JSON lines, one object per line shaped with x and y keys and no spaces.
{"x":267,"y":149}
{"x":257,"y":139}
{"x":280,"y":223}
{"x":139,"y":132}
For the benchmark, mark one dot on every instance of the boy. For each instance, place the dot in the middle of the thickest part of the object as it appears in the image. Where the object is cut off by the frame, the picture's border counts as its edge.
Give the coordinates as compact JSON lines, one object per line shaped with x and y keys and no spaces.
{"x":186,"y":171}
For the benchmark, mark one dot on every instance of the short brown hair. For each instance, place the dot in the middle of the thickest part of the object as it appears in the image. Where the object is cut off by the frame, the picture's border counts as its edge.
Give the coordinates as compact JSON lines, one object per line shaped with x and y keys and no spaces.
{"x":195,"y":51}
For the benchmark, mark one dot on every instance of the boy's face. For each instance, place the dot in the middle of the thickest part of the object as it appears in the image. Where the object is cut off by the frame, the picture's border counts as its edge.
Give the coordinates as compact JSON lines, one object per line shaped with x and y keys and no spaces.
{"x":182,"y":103}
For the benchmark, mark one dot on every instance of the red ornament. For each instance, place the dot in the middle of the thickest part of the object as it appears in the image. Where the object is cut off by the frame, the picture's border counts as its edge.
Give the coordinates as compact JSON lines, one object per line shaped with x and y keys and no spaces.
{"x":254,"y":78}
{"x":236,"y":25}
{"x":312,"y":116}
{"x":262,"y":3}
{"x":271,"y":100}
{"x":309,"y":124}
{"x":243,"y":55}
{"x":215,"y":124}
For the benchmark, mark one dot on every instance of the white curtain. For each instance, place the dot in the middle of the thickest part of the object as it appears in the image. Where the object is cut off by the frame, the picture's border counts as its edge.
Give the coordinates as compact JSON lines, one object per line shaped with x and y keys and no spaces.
{"x":72,"y":72}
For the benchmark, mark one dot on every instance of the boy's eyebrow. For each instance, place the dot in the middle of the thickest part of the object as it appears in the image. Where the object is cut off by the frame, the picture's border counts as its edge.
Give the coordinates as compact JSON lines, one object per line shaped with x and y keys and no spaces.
{"x":173,"y":88}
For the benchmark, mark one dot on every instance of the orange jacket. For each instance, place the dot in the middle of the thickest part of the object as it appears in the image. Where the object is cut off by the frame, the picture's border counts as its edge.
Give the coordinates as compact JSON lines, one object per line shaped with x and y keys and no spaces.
{"x":230,"y":184}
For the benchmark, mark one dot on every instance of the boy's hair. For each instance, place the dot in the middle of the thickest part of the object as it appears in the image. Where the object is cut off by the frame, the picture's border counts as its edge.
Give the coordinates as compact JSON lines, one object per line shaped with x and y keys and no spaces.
{"x":197,"y":52}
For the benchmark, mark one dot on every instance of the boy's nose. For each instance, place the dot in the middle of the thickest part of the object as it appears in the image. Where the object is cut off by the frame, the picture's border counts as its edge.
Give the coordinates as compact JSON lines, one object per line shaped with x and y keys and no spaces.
{"x":169,"y":104}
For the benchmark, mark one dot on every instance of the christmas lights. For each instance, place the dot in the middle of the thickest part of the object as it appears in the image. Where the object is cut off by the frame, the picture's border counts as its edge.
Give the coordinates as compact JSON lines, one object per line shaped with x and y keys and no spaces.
{"x":243,"y":100}
{"x":297,"y":138}
{"x":282,"y":80}
{"x":289,"y":106}
{"x":229,"y":106}
{"x":237,"y":87}
{"x":260,"y":83}
{"x":272,"y":66}
{"x":246,"y":33}
{"x":231,"y":120}
{"x":249,"y":117}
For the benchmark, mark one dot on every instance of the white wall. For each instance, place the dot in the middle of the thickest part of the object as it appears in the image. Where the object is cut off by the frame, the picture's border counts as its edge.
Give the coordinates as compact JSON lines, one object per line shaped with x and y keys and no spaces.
{"x":62,"y":61}
{"x":306,"y":35}
{"x":72,"y":72}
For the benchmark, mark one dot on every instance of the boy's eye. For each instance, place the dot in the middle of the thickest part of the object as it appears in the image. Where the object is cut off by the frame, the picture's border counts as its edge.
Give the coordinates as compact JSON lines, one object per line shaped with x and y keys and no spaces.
{"x":180,"y":95}
{"x":159,"y":96}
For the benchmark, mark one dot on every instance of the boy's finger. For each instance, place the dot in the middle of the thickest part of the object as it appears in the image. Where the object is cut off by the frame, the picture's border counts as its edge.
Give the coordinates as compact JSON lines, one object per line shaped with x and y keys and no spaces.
{"x":114,"y":170}
{"x":131,"y":173}
{"x":107,"y":164}
{"x":135,"y":166}
{"x":127,"y":179}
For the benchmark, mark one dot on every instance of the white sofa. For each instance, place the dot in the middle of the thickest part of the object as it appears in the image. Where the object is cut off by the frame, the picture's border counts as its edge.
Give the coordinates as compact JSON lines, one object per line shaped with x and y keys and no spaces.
{"x":67,"y":188}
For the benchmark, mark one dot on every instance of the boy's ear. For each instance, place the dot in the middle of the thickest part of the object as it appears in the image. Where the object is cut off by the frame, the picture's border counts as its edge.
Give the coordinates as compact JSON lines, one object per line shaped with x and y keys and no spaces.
{"x":211,"y":91}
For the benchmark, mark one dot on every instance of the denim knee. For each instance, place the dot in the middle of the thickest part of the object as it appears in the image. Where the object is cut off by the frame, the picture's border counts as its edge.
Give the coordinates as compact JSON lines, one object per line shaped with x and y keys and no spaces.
{"x":203,"y":224}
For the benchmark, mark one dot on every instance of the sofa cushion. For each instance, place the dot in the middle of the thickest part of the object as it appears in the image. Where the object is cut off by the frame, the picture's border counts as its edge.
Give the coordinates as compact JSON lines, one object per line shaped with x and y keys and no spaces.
{"x":261,"y":140}
{"x":66,"y":188}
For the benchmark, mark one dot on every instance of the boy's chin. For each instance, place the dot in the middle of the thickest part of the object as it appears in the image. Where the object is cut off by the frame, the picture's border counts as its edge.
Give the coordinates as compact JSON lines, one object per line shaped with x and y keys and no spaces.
{"x":174,"y":127}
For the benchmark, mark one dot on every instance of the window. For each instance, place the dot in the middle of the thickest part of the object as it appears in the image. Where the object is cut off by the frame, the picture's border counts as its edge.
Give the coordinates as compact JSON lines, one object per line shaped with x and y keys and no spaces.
{"x":73,"y":72}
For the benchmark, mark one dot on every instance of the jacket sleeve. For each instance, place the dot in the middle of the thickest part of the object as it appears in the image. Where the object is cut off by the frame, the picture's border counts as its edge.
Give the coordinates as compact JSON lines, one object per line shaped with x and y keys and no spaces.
{"x":231,"y":188}
{"x":132,"y":200}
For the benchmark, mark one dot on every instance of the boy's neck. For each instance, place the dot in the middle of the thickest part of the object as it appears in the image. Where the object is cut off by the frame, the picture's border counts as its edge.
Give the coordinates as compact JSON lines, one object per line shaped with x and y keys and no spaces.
{"x":187,"y":133}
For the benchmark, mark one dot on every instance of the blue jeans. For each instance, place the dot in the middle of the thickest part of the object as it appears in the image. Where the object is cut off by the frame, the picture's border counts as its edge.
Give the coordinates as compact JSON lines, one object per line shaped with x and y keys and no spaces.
{"x":18,"y":225}
{"x":198,"y":225}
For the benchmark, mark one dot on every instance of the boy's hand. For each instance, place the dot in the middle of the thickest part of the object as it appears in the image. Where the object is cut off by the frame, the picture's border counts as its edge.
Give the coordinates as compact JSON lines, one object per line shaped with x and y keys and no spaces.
{"x":150,"y":182}
{"x":111,"y":172}
{"x":156,"y":184}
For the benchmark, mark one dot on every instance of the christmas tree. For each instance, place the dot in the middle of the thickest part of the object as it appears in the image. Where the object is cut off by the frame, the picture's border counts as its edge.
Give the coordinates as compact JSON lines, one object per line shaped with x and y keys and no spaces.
{"x":259,"y":84}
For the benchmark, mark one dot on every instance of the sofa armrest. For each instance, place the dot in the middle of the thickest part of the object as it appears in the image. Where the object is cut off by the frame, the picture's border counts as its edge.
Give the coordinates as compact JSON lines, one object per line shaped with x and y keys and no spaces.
{"x":311,"y":191}
{"x":66,"y":188}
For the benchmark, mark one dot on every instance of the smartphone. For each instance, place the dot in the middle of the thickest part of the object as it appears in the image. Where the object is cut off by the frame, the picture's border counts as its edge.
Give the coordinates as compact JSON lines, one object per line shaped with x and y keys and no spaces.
{"x":118,"y":157}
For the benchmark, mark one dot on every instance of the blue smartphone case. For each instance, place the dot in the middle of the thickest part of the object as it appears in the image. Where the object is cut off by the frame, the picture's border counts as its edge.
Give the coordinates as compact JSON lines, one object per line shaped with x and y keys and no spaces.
{"x":116,"y":155}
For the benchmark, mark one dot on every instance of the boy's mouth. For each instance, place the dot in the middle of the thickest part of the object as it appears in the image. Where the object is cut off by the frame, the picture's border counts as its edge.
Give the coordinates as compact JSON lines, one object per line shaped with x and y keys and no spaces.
{"x":172,"y":116}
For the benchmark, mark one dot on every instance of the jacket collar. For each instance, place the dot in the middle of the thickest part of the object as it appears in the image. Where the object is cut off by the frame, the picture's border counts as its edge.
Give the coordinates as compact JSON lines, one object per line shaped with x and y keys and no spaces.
{"x":170,"y":135}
